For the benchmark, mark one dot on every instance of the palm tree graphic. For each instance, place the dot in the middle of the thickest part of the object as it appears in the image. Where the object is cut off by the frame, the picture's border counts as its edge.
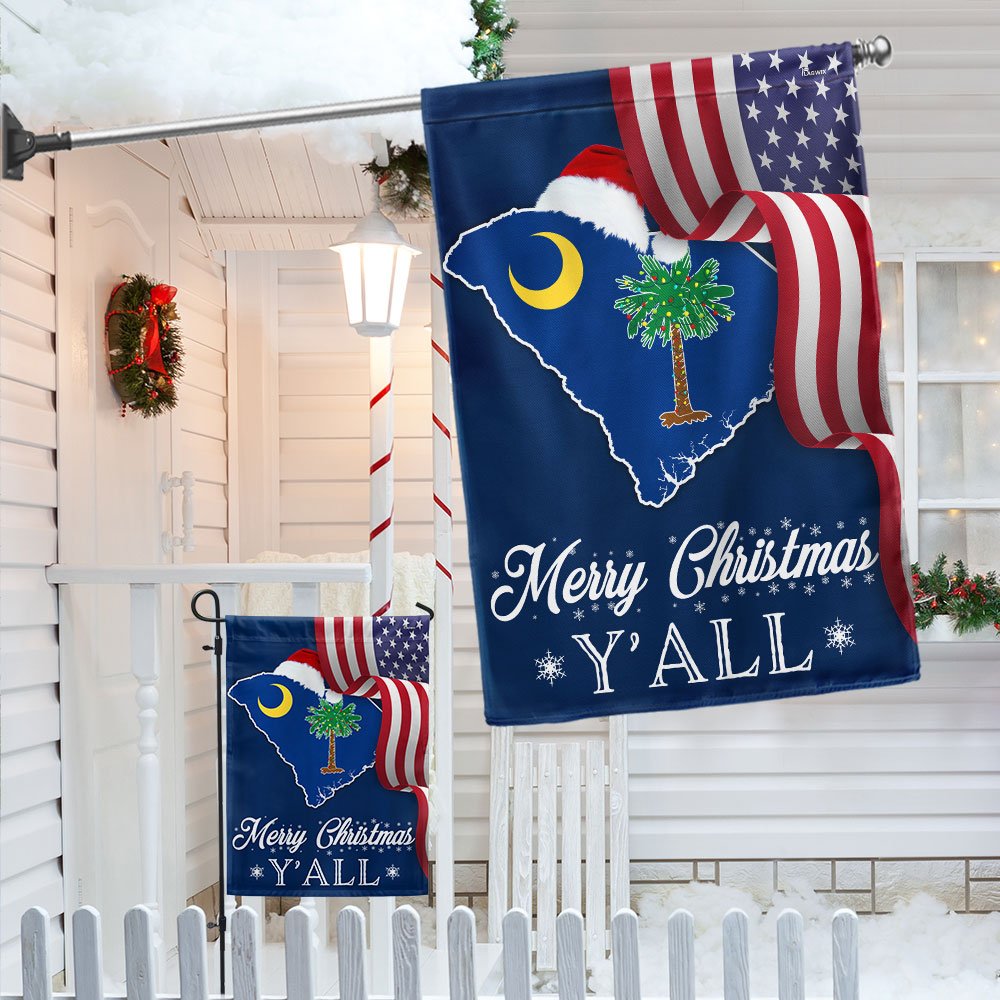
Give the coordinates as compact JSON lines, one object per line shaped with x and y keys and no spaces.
{"x":670,"y":303}
{"x":329,"y":719}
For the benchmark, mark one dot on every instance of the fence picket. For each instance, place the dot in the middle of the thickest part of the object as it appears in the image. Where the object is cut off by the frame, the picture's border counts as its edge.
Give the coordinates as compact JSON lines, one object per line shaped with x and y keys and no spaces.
{"x":351,"y":954}
{"x":35,"y":976}
{"x":192,"y":954}
{"x":680,"y":955}
{"x":516,"y":955}
{"x":406,"y":953}
{"x":625,"y":955}
{"x":596,"y":889}
{"x":246,"y":960}
{"x":461,"y":954}
{"x":791,"y":962}
{"x":545,"y":938}
{"x":846,"y":974}
{"x":88,"y":961}
{"x":300,"y":954}
{"x":500,"y":826}
{"x":570,"y":759}
{"x":571,"y":972}
{"x":521,"y":852}
{"x":140,"y":954}
{"x":736,"y":956}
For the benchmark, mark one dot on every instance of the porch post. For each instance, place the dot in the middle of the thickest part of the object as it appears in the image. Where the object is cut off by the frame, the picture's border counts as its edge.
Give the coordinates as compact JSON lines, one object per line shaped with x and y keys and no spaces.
{"x":144,"y":640}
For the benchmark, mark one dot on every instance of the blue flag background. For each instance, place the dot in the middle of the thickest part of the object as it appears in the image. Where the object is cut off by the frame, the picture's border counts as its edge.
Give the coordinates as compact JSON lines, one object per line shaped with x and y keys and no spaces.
{"x":291,"y":830}
{"x":618,"y":565}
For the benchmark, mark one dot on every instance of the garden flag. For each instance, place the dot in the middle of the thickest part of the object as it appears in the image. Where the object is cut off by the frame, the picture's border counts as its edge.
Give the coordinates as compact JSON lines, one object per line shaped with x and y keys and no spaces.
{"x":664,"y":325}
{"x":326,"y":756}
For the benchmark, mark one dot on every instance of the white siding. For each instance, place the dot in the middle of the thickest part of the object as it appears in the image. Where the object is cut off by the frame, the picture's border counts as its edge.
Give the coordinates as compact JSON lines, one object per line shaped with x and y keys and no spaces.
{"x":30,"y":825}
{"x":201,"y":441}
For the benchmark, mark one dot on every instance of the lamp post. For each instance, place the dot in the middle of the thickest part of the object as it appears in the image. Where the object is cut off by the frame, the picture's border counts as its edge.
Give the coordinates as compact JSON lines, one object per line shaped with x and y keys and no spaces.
{"x":376,"y":263}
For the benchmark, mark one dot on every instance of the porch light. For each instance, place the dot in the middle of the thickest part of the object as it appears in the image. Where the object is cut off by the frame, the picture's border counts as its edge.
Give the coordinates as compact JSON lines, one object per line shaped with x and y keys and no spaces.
{"x":376,"y":262}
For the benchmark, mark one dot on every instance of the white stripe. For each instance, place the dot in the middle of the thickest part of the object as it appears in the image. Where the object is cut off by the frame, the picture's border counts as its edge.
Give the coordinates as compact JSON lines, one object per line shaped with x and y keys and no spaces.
{"x":393,"y":741}
{"x":369,"y":637}
{"x":410,"y":754}
{"x":849,"y":336}
{"x":652,"y":141}
{"x":333,"y":654}
{"x":807,"y":321}
{"x":692,"y":130}
{"x":352,"y":667}
{"x":732,"y":123}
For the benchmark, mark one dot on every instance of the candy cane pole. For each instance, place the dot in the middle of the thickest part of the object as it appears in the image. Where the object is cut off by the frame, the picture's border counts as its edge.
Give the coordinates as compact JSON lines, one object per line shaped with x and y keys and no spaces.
{"x":441,"y":679}
{"x":380,"y":546}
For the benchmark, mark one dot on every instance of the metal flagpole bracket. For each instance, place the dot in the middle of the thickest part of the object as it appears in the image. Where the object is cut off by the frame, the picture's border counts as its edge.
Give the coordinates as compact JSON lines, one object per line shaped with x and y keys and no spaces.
{"x":20,"y":144}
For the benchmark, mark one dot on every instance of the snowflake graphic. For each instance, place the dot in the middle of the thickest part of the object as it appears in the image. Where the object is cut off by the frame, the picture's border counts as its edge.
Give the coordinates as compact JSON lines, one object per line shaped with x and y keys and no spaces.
{"x":825,"y":580}
{"x":862,"y":521}
{"x":720,"y":524}
{"x":700,"y":607}
{"x":741,"y":591}
{"x":814,"y":530}
{"x":773,"y":588}
{"x":767,"y":531}
{"x":495,"y":574}
{"x":869,"y":577}
{"x":847,"y":583}
{"x":725,"y":598}
{"x":809,"y":589}
{"x":256,"y":872}
{"x":392,"y":872}
{"x":839,"y":636}
{"x":572,"y":551}
{"x":550,"y":668}
{"x":672,"y":539}
{"x":578,"y":614}
{"x":629,"y":554}
{"x":791,"y":584}
{"x":786,"y":523}
{"x":595,"y":607}
{"x":840,"y":525}
{"x":751,"y":531}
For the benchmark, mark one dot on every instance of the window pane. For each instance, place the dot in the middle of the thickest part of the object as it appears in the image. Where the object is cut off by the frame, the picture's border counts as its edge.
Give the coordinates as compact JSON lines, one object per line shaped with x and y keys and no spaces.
{"x":894,"y":442}
{"x":890,"y":293}
{"x":959,"y":440}
{"x":958,"y":305}
{"x":972,"y":535}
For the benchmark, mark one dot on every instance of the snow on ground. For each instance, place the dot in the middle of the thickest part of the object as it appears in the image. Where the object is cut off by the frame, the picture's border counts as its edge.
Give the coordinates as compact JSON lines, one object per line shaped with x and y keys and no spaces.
{"x":116,"y":62}
{"x":920,"y":951}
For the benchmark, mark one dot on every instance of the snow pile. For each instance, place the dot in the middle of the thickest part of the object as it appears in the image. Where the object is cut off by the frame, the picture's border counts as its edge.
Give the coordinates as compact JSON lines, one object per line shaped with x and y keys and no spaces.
{"x":115,"y":62}
{"x":918,"y":952}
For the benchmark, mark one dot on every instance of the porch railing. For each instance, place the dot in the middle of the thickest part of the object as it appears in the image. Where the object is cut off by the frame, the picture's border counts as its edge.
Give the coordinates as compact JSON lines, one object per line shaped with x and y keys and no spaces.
{"x":300,"y":956}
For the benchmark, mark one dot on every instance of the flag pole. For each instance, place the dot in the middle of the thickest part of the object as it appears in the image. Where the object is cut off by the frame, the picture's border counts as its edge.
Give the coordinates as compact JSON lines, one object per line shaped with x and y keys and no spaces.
{"x":21,"y":144}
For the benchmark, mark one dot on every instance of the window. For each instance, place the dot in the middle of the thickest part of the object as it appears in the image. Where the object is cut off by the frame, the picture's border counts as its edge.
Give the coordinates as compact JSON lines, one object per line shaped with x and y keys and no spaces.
{"x":941,"y":336}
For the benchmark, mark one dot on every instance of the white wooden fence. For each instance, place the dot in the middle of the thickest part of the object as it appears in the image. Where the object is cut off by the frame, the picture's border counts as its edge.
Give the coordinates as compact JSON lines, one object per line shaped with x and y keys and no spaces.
{"x":301,"y":951}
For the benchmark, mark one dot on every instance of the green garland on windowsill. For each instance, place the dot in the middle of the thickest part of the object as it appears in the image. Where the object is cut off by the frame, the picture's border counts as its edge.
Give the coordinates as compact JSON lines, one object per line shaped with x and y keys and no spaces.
{"x":970,"y":601}
{"x":405,"y":182}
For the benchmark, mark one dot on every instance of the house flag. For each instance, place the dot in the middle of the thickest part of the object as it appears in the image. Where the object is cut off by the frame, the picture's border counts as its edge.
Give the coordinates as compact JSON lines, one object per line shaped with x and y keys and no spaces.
{"x":665,"y":350}
{"x":326,"y":756}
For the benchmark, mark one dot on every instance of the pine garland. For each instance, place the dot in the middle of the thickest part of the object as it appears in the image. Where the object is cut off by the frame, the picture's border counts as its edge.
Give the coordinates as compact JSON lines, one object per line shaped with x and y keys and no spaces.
{"x":405,"y":182}
{"x":140,"y":388}
{"x":972,"y":602}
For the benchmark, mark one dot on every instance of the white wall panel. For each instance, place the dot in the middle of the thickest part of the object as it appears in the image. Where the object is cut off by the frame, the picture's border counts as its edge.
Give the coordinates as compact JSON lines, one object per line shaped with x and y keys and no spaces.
{"x":31,"y":828}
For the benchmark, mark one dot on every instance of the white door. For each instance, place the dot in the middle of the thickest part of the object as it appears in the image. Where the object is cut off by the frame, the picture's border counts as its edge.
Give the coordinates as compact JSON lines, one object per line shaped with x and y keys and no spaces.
{"x":113,"y":219}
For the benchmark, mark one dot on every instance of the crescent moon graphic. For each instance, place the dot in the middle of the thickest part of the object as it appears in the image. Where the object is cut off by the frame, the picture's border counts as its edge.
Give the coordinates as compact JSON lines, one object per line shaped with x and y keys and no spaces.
{"x":562,"y":290}
{"x":282,"y":707}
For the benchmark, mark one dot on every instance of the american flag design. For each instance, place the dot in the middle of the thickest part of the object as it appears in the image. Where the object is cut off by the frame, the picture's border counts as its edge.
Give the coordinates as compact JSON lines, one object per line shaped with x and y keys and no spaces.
{"x":767,"y":146}
{"x":387,"y":657}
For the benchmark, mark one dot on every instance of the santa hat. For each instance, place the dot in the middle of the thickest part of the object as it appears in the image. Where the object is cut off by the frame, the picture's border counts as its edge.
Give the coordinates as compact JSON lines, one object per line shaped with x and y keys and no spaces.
{"x":303,"y":666}
{"x":597,"y":186}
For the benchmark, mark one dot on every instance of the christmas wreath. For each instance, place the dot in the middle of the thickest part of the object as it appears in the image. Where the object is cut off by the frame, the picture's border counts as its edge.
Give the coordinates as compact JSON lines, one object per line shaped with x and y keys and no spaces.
{"x":970,"y":601}
{"x":143,"y":346}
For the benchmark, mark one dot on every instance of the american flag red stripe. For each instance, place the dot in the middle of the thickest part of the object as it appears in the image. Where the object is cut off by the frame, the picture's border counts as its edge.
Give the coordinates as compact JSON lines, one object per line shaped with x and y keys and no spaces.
{"x":349,"y":665}
{"x":683,"y":135}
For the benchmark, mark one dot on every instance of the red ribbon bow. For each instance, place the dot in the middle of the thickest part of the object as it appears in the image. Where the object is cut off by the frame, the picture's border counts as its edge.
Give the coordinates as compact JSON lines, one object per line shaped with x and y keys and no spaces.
{"x":159,"y":295}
